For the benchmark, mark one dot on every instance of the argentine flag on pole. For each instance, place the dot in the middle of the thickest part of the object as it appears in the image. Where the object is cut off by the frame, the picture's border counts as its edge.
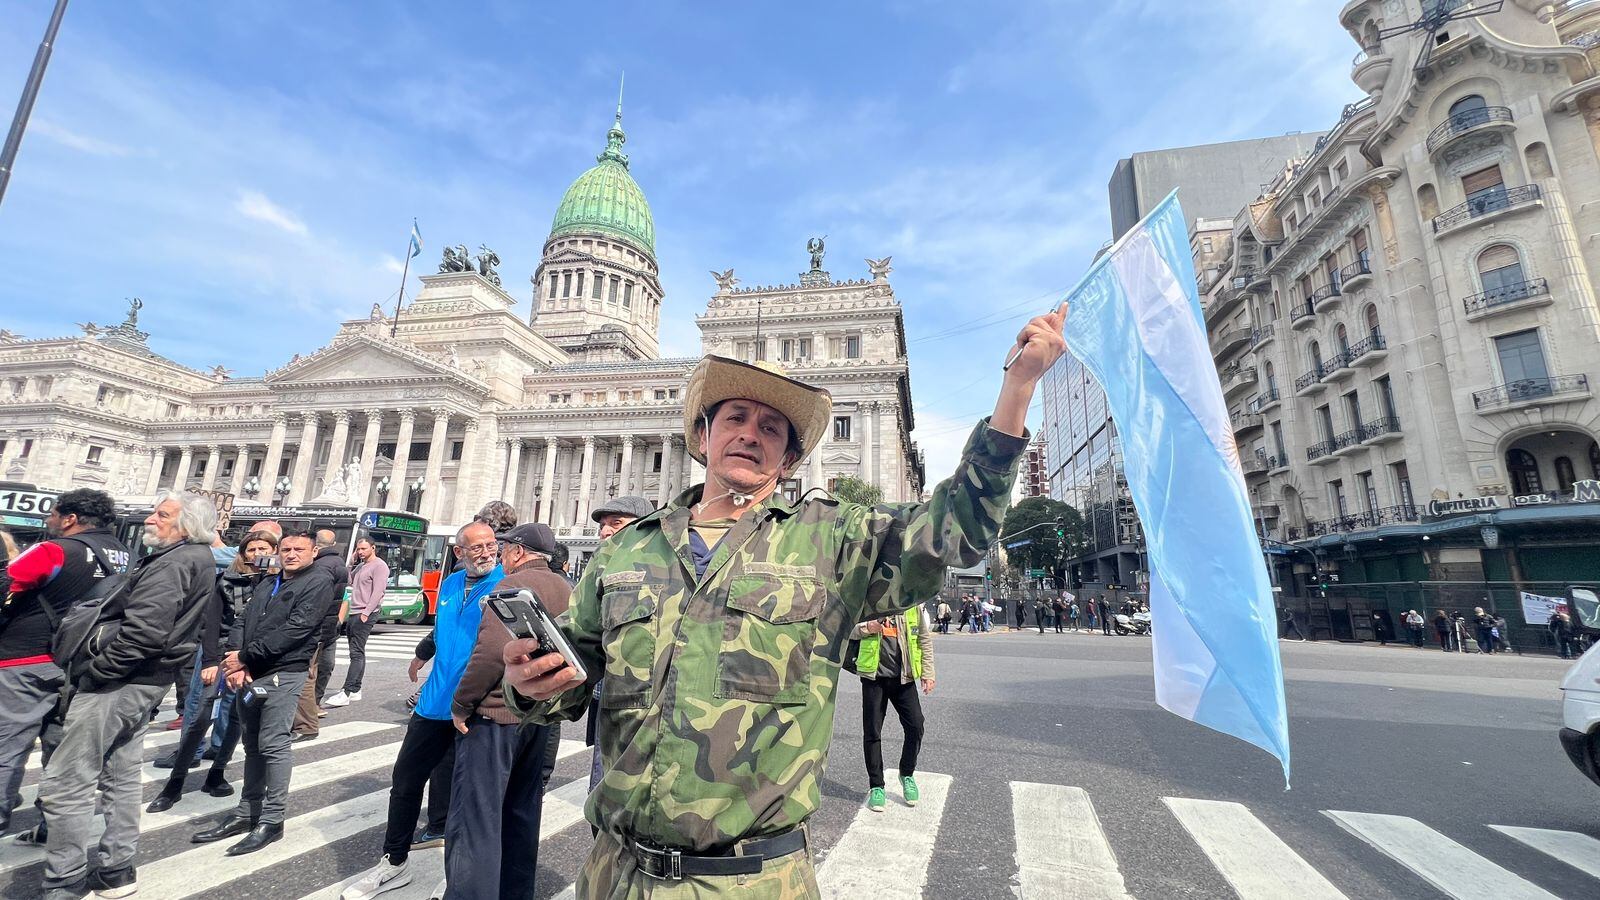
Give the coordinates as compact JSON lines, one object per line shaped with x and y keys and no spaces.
{"x":1135,"y":322}
{"x":416,"y":240}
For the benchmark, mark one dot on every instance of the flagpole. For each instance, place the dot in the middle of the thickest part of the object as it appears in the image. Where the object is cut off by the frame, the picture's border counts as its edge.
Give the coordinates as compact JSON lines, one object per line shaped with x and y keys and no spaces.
{"x":404,"y":271}
{"x":30,"y":91}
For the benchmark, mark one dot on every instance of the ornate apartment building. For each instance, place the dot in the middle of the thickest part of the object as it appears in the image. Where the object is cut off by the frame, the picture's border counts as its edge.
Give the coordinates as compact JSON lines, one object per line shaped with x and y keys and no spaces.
{"x":1405,"y":322}
{"x":463,"y":399}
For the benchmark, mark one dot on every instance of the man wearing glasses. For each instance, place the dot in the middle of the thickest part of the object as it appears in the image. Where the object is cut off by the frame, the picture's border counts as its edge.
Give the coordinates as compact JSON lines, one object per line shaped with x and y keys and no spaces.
{"x":430,"y":733}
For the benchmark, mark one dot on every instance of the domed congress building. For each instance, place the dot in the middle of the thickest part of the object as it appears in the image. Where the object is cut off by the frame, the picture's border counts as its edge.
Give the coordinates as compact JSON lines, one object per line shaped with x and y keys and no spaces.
{"x":469,"y":396}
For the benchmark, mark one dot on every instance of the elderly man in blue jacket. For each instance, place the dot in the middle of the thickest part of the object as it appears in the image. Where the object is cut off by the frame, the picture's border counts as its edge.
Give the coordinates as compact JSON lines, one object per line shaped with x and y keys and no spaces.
{"x":430,"y":734}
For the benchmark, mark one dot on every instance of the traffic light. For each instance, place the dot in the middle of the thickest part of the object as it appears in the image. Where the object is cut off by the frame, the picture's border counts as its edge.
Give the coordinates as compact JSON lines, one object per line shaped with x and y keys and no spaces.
{"x":1061,"y":529}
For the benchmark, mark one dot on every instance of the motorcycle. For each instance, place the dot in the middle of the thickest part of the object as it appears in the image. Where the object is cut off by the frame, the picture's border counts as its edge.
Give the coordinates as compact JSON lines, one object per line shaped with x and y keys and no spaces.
{"x":1138,"y":623}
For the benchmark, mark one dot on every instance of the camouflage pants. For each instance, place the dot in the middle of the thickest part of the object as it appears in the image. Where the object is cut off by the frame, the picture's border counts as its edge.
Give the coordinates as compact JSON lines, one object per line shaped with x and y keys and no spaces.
{"x":610,"y":873}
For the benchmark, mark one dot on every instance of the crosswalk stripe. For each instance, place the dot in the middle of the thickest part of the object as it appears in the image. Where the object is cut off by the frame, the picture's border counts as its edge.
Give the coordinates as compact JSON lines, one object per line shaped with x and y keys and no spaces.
{"x":1437,"y":859}
{"x":150,"y":774}
{"x":1061,"y":849}
{"x":885,"y":855}
{"x":1580,"y":851}
{"x":196,"y":805}
{"x":344,"y":658}
{"x":1256,"y":862}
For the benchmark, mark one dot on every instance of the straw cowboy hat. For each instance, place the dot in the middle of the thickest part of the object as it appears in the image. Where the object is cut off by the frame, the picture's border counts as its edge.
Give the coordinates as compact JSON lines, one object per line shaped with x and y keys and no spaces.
{"x":718,"y":378}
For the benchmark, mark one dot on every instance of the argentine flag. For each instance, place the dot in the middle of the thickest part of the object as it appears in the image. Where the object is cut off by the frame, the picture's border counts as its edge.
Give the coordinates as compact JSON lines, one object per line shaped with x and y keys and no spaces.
{"x":416,"y":240}
{"x":1135,"y":322}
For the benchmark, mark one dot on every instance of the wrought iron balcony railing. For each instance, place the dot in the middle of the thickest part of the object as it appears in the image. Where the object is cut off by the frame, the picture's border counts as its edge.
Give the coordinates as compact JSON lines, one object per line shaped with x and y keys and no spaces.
{"x":1487,"y":202}
{"x":1261,"y":335}
{"x":1328,"y":290}
{"x":1465,"y":121}
{"x":1380,"y":427}
{"x":1310,"y":378}
{"x":1370,"y":343}
{"x":1506,"y":293}
{"x":1530,"y":389}
{"x":1395,"y":515}
{"x":1360,"y":267}
{"x":1300,"y":313}
{"x":1320,"y":449}
{"x":1263,"y":400}
{"x":1351,"y":438}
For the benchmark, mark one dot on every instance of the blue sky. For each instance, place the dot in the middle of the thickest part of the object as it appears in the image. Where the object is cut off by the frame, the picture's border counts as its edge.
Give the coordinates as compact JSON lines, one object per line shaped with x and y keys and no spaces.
{"x":251,"y":169}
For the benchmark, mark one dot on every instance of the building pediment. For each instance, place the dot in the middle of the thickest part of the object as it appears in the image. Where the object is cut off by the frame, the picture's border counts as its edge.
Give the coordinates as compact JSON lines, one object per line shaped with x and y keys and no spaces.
{"x":365,"y":358}
{"x":841,"y":458}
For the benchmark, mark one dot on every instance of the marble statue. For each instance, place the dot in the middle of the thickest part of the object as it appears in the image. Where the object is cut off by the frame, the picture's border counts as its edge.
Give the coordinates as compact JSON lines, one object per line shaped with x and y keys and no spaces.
{"x":725,"y":280}
{"x":880,"y":268}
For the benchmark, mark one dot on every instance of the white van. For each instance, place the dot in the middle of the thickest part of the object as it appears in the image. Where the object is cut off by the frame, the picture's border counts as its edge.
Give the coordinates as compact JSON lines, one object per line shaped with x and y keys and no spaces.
{"x":1580,"y":705}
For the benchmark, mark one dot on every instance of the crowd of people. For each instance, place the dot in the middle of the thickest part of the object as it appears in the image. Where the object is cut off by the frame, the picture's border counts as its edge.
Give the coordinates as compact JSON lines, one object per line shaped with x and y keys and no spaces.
{"x":1062,"y":613}
{"x":767,"y":598}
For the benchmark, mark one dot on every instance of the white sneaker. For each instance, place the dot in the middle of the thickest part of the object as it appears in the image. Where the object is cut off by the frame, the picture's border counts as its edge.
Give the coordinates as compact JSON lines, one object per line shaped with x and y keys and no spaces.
{"x":385,"y":876}
{"x":340,"y":699}
{"x":438,"y":890}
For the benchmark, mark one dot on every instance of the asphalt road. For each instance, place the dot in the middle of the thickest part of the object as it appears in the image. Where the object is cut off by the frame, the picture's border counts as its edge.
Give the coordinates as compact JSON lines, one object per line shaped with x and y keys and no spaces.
{"x":1062,"y":733}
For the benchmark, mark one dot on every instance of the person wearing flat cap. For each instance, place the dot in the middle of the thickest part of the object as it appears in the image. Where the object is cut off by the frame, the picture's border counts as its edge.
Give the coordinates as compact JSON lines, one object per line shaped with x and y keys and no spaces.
{"x":720,"y":623}
{"x":491,"y":845}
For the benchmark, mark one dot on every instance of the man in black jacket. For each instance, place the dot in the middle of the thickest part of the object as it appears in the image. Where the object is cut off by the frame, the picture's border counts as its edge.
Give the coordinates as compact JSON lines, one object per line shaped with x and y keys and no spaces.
{"x":268,"y":660}
{"x":36,"y":590}
{"x":146,"y":631}
{"x":329,"y":560}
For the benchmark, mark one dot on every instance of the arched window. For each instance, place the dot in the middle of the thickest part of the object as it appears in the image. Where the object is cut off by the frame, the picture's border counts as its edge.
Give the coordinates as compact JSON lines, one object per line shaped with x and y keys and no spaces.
{"x":1370,"y":41}
{"x":1372,"y":318}
{"x":1524,"y":471}
{"x":1469,"y":111}
{"x":1316,"y":356}
{"x":1594,"y":458}
{"x":1272,"y":379}
{"x":1565,"y":475}
{"x":1342,"y":336}
{"x":1500,"y":271}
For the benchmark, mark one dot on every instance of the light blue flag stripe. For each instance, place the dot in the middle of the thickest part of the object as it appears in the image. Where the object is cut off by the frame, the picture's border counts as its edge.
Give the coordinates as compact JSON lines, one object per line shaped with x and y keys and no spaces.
{"x":1135,"y":322}
{"x":416,"y":240}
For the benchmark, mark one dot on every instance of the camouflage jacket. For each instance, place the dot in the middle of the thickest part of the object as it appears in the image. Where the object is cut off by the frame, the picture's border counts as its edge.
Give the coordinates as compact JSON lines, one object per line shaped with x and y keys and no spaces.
{"x":717,"y":709}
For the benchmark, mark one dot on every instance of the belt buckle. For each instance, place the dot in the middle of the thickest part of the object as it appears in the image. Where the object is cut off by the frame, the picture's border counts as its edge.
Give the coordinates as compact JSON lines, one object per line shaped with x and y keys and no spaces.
{"x":660,"y":862}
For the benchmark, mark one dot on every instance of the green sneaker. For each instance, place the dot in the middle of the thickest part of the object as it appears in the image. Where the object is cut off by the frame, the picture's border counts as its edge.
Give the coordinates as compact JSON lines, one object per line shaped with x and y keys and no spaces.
{"x":876,"y":800}
{"x":908,"y":787}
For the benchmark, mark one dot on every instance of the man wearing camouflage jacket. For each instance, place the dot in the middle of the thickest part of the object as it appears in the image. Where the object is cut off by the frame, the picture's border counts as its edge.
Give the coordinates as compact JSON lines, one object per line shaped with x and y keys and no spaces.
{"x":720,"y":624}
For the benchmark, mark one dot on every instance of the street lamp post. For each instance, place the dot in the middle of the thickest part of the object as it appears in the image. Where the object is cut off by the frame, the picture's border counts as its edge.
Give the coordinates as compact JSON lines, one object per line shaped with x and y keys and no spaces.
{"x":30,"y":92}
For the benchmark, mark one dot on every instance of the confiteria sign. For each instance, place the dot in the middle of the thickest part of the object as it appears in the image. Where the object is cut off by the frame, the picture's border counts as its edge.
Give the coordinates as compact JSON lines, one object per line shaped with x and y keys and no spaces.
{"x":1586,"y":491}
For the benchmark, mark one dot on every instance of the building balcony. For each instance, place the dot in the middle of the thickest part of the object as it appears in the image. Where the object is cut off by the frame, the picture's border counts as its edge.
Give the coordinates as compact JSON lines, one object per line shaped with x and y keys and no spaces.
{"x":1488,"y":204}
{"x":1381,"y":431}
{"x":1246,"y":422}
{"x":1267,"y":510}
{"x":1338,"y":367}
{"x":1264,"y":401}
{"x":1349,"y":442}
{"x":1522,"y":295}
{"x":1236,"y":378}
{"x":1356,"y":273}
{"x":1277,"y":464}
{"x":1254,"y":466}
{"x":1397,"y":515}
{"x":1261,"y":337}
{"x":1301,"y":316}
{"x":1466,"y":122}
{"x":1367,"y":351}
{"x":1310,"y":382}
{"x":1531,"y":392}
{"x":1325,"y":298}
{"x":1228,"y":341}
{"x":1370,"y":69}
{"x":1257,"y":281}
{"x":1226,"y":301}
{"x":1321,"y":453}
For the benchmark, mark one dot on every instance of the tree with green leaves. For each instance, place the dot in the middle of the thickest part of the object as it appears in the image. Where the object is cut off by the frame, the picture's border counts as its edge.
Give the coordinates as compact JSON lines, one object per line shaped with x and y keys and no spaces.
{"x":1056,"y":531}
{"x":854,"y":490}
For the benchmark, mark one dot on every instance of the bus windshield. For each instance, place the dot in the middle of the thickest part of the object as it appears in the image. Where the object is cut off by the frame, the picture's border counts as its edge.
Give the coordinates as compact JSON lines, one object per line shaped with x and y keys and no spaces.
{"x":401,"y":540}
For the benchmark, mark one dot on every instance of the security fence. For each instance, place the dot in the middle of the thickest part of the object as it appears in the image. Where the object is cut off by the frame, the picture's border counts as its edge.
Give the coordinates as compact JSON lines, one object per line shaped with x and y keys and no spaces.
{"x":1374,"y":611}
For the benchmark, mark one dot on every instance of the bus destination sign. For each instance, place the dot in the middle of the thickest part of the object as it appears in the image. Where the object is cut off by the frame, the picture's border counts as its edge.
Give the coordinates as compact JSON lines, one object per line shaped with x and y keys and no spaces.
{"x":390,"y":522}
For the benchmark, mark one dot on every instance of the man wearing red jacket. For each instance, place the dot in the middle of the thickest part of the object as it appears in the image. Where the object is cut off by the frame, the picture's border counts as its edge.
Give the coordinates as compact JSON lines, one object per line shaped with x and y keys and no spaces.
{"x":54,"y":573}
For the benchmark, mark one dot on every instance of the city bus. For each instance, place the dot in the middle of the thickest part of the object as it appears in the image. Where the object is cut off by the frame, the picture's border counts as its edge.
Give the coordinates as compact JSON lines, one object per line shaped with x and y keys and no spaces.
{"x":437,"y":561}
{"x":23,"y":509}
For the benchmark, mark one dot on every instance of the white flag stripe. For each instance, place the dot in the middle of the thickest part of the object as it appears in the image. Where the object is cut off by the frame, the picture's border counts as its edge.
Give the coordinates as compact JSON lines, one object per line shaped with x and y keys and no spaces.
{"x":1256,"y":862}
{"x":1061,"y":849}
{"x":195,"y":804}
{"x":150,"y":774}
{"x":885,"y":855}
{"x":1580,"y":851}
{"x":1440,"y":861}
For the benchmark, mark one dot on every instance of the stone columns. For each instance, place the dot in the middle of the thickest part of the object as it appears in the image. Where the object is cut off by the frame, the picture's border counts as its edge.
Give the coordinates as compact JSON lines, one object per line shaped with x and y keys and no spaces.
{"x":213,"y":463}
{"x":875,"y":428}
{"x":305,"y":457}
{"x":464,"y":472}
{"x":158,"y":461}
{"x":697,"y":470}
{"x":1574,"y":272}
{"x":433,"y":495}
{"x":513,"y":471}
{"x":369,"y":456}
{"x":341,"y":437}
{"x":672,"y":469}
{"x":548,"y":486}
{"x":868,"y":452}
{"x":402,"y":456}
{"x":585,"y":481}
{"x":816,"y":467}
{"x":241,"y":468}
{"x":274,"y":460}
{"x":185,"y":462}
{"x":625,"y":485}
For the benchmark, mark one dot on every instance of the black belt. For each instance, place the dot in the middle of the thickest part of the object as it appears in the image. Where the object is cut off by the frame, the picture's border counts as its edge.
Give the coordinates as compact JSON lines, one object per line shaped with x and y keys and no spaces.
{"x":746,"y":859}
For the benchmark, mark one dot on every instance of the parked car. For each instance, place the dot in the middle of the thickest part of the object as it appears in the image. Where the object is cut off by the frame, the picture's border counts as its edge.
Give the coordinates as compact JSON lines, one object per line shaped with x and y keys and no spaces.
{"x":1580,"y":689}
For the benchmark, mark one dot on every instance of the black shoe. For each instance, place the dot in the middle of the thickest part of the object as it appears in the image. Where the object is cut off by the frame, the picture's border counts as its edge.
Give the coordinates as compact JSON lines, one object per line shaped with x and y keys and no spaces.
{"x":166,"y":762}
{"x":123,"y":882}
{"x":217,"y":787}
{"x":163,"y":802}
{"x":211,"y":753}
{"x":72,"y":891}
{"x":227,"y":828}
{"x":428,"y":837}
{"x":259,"y":837}
{"x":37,"y":836}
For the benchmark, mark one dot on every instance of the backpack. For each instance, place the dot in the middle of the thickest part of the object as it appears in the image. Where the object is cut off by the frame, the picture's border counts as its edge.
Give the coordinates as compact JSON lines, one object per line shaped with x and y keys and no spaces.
{"x":84,"y":629}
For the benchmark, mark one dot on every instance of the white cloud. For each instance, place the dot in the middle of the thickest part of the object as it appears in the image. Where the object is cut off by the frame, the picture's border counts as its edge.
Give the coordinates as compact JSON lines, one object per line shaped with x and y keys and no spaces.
{"x":255,"y":205}
{"x":83,"y":143}
{"x":391,"y":264}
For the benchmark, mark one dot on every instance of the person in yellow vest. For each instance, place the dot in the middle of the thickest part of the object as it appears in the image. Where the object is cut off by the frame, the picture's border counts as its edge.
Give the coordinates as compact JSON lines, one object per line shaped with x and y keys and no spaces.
{"x":896,"y":653}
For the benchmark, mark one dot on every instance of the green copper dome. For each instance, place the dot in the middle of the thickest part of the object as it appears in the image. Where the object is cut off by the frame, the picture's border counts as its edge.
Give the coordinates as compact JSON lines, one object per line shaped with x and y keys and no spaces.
{"x":607,"y":200}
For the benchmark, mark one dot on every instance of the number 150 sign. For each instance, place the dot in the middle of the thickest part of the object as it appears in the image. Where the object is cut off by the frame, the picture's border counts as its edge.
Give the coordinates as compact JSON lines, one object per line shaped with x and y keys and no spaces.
{"x":31,"y":503}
